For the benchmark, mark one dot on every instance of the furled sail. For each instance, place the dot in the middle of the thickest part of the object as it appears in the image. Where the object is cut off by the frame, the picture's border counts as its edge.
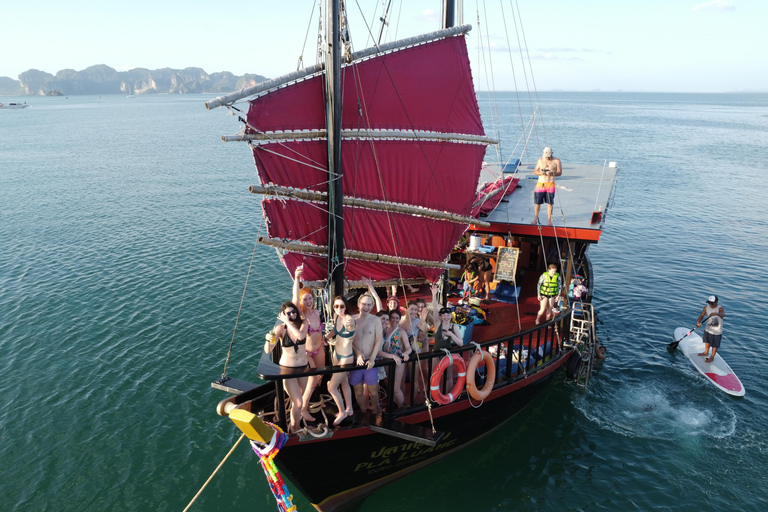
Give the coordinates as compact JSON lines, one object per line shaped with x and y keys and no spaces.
{"x":416,"y":92}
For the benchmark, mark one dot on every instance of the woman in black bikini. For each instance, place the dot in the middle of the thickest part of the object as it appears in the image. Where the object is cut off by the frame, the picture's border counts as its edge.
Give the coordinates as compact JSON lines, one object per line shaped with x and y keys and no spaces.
{"x":292,"y":336}
{"x":343,"y":333}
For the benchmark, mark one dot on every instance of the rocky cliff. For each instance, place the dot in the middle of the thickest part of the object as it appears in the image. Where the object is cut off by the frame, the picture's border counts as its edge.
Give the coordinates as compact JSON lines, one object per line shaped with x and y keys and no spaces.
{"x":102,"y":79}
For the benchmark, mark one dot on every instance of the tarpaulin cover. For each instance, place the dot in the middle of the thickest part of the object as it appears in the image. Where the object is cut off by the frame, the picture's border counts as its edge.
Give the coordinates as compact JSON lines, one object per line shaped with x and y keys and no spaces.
{"x":485,"y":202}
{"x":426,"y":87}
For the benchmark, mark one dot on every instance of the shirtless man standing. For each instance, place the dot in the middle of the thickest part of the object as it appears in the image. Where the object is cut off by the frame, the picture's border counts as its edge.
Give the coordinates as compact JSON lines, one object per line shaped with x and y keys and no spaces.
{"x":367,"y":343}
{"x":546,"y":169}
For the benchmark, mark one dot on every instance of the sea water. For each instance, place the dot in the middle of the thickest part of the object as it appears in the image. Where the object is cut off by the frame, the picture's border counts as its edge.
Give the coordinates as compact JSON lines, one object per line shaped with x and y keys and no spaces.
{"x":127,"y":235}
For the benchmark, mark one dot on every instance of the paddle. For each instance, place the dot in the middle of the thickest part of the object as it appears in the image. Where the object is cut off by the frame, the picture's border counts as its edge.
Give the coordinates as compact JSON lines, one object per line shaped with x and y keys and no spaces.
{"x":673,"y":346}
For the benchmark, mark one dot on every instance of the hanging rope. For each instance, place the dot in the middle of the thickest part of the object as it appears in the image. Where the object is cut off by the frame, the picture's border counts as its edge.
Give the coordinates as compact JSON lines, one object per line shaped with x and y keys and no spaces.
{"x":242,"y":299}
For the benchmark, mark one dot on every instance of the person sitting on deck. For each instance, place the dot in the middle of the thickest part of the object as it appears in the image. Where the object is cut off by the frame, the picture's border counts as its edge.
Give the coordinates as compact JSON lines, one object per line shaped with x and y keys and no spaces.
{"x":578,"y":290}
{"x":367,"y":344}
{"x":292,"y":336}
{"x":343,"y":334}
{"x":548,"y":288}
{"x":546,"y":169}
{"x":470,"y":278}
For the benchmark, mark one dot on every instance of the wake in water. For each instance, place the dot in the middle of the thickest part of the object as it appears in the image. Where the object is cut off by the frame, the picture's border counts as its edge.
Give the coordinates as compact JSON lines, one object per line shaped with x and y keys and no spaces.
{"x":656,"y":410}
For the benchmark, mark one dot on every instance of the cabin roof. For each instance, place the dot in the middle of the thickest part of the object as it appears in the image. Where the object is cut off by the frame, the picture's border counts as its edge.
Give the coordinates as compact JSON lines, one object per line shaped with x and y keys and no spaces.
{"x":580,"y":191}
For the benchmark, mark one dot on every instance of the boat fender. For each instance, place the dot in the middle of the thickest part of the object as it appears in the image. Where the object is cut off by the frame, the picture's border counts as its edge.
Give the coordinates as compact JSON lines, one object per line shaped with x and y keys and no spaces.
{"x":490,"y":380}
{"x":573,"y":366}
{"x":437,"y":376}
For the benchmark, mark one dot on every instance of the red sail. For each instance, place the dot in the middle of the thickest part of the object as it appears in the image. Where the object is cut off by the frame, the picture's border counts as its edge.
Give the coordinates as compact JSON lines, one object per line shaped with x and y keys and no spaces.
{"x":424,"y":88}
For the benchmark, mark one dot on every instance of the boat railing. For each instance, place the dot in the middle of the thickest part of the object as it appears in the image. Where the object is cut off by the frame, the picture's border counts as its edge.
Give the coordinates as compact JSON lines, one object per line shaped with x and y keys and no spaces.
{"x":516,"y":357}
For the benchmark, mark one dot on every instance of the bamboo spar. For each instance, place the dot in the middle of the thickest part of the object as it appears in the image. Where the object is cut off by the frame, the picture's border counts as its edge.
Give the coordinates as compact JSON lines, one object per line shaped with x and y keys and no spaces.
{"x":322,"y":250}
{"x":322,"y":197}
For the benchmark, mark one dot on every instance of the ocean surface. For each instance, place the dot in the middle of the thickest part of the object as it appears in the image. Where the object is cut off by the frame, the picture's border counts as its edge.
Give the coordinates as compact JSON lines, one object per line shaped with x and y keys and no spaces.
{"x":126,"y":236}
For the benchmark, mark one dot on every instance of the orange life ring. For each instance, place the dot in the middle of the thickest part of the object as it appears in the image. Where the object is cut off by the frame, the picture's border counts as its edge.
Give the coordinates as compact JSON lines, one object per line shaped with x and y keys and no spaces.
{"x":490,"y":372}
{"x":437,"y":376}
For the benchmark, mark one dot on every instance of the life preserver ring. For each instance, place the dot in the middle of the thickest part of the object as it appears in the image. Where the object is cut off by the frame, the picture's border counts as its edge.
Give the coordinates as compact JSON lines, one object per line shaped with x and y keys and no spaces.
{"x":437,"y":376}
{"x":490,"y":372}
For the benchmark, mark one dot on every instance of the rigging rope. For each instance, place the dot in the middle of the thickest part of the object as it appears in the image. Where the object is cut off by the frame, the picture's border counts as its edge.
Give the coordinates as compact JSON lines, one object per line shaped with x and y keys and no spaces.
{"x":242,"y":299}
{"x":214,"y":472}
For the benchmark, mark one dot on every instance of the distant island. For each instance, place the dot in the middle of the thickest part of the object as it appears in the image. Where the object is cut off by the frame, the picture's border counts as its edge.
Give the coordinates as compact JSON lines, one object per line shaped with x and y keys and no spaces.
{"x":102,"y":79}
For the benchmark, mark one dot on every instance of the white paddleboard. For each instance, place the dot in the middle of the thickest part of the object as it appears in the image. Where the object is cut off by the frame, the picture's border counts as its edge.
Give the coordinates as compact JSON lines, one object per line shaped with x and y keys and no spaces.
{"x":717,"y":372}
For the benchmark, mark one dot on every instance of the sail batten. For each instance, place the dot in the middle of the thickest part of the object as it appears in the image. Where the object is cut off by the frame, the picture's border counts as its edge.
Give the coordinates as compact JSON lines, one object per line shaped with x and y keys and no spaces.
{"x":285,"y":136}
{"x":310,"y":71}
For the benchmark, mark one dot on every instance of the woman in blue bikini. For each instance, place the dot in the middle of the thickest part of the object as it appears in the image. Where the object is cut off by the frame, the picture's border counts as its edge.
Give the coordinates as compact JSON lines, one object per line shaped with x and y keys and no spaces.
{"x":343,"y":334}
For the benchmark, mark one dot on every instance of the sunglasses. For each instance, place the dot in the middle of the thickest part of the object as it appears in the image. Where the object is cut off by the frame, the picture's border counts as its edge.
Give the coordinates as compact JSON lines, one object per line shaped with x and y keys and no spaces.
{"x":444,"y":311}
{"x":291,"y":312}
{"x":339,"y":306}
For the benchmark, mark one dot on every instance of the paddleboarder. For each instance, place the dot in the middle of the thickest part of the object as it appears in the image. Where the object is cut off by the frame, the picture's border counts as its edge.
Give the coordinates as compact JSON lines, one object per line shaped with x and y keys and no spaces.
{"x":713,"y":332}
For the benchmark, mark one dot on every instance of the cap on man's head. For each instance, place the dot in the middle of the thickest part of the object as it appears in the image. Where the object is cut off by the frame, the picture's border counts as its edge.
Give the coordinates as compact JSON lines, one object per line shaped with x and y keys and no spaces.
{"x":712,"y":299}
{"x":394,"y":298}
{"x":547,"y":151}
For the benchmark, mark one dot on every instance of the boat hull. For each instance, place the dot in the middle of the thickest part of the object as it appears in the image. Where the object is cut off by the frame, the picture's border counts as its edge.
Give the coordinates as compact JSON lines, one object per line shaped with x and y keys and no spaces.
{"x":363,"y":460}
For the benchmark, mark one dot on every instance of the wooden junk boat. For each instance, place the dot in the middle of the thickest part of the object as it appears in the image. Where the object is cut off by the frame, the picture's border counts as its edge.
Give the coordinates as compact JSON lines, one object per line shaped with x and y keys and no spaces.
{"x":372,"y":168}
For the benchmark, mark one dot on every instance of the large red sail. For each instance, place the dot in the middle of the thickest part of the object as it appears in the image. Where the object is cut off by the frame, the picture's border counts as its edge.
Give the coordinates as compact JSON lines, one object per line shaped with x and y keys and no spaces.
{"x":427,"y":87}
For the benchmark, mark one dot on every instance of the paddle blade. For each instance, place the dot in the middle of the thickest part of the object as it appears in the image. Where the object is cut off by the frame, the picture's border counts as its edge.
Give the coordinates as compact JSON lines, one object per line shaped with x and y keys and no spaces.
{"x":673,"y":346}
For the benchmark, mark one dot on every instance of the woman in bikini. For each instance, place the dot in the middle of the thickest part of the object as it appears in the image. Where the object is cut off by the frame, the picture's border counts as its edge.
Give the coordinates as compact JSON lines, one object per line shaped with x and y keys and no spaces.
{"x":416,"y":329}
{"x":292,"y":337}
{"x":315,"y":340}
{"x":399,"y":349}
{"x":343,"y":334}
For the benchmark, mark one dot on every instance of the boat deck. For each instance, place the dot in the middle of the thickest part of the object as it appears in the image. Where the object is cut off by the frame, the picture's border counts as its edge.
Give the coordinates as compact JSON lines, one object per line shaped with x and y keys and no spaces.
{"x":580,"y":191}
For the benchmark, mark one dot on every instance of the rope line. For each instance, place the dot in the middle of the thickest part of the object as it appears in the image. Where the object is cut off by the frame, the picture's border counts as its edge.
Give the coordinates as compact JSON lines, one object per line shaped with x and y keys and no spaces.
{"x":214,"y":472}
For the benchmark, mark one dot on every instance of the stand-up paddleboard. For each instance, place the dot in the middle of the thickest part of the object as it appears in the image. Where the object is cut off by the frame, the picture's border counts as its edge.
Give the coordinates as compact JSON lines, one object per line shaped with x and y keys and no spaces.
{"x":717,"y":372}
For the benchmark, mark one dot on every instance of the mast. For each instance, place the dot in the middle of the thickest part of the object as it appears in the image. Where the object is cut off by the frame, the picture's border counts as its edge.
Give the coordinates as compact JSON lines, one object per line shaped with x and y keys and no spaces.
{"x":449,"y":11}
{"x":333,"y":116}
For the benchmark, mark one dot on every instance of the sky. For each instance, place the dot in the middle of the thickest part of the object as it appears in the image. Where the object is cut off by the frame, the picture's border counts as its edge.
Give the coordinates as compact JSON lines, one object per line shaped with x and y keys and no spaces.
{"x":629,"y":45}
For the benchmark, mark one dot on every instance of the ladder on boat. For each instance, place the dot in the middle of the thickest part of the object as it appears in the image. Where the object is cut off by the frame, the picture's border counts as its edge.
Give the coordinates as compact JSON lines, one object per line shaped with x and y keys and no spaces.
{"x":583,"y":340}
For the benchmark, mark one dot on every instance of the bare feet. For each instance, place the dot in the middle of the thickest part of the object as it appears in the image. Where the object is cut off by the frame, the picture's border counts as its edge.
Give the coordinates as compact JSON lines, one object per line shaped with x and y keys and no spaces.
{"x":709,"y":359}
{"x":704,"y":354}
{"x":339,"y":418}
{"x":549,"y":222}
{"x":412,"y":289}
{"x":307,"y":417}
{"x":535,"y":221}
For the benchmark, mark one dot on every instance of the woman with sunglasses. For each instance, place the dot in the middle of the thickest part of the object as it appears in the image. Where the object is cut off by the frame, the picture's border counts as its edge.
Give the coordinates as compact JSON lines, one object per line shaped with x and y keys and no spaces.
{"x":292,"y":336}
{"x":397,"y":348}
{"x":343,"y":335}
{"x":315,"y":339}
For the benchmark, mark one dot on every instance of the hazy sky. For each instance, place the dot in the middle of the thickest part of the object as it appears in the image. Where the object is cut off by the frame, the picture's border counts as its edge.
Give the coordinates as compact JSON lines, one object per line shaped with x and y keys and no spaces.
{"x":672,"y":45}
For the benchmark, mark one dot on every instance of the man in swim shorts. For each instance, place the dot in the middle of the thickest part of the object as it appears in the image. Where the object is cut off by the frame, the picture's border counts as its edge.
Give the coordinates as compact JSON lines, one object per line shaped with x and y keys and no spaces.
{"x":546,"y":169}
{"x":713,"y":333}
{"x":367,"y":343}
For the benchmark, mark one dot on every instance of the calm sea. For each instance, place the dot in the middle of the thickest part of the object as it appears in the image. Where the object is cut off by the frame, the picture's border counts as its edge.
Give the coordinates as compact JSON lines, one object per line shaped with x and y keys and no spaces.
{"x":126,"y":233}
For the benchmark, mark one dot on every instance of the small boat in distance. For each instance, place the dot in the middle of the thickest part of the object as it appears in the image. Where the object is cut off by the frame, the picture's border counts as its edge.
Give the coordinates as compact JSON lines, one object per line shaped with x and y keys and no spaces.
{"x":8,"y":106}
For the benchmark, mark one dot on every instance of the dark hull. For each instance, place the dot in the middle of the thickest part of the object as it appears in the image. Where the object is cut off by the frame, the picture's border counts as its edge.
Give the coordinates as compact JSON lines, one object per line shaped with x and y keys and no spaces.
{"x":363,"y":460}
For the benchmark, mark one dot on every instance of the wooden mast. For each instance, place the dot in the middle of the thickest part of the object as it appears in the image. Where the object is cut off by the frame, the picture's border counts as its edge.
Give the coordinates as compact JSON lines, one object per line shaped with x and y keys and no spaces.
{"x":333,"y":115}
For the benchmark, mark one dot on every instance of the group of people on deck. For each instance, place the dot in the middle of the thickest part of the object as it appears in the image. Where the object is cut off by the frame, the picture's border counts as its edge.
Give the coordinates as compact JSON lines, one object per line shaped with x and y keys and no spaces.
{"x":393,"y":332}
